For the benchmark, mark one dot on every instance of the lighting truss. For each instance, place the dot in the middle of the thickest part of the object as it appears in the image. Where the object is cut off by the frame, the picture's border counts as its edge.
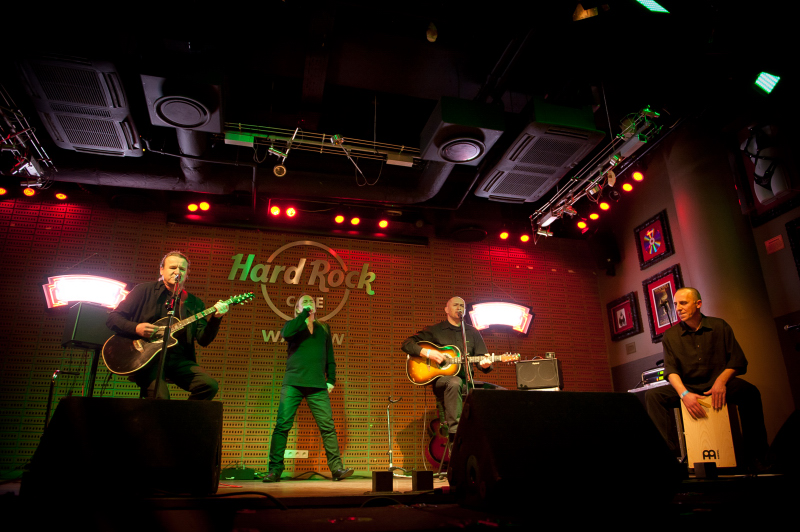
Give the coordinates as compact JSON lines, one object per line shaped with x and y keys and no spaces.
{"x":19,"y":138}
{"x":600,"y":172}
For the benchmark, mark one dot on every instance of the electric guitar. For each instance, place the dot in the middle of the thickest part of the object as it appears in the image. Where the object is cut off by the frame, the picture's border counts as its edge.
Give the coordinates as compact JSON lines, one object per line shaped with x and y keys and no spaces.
{"x":421,"y":370}
{"x":124,"y":355}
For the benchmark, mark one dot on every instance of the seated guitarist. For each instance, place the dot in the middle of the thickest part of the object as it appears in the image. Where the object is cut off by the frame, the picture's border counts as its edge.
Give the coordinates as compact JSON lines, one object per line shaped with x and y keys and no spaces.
{"x":448,"y":389}
{"x":146,"y":304}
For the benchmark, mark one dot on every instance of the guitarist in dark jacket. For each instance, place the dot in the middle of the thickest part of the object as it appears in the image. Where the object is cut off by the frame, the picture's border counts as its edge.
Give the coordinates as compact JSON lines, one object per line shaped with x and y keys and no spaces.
{"x":135,"y":315}
{"x":448,"y":389}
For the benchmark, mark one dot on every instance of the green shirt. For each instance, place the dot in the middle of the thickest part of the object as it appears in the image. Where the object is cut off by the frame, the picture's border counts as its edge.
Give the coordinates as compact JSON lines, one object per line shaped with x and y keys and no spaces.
{"x":310,"y":359}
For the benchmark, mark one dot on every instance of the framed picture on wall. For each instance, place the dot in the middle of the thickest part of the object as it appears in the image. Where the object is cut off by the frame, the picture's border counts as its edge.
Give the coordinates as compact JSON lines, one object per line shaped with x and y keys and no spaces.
{"x":653,"y":240}
{"x":659,"y":291}
{"x":624,"y":317}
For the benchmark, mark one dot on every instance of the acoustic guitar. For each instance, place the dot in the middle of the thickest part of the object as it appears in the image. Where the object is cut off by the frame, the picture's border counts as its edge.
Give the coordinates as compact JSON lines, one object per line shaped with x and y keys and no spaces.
{"x":124,"y":355}
{"x":421,"y":370}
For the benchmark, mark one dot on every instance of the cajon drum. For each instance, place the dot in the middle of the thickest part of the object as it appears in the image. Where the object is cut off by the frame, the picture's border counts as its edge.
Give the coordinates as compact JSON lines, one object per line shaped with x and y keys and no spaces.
{"x":709,"y":439}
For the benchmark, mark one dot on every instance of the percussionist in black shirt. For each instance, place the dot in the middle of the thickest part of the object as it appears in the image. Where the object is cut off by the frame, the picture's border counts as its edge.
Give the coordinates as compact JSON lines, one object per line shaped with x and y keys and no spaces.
{"x":136,"y":314}
{"x":310,"y":374}
{"x":703,"y":358}
{"x":448,"y":389}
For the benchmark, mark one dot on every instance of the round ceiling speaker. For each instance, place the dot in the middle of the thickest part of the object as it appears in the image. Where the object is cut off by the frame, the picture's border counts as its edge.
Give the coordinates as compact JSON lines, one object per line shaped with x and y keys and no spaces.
{"x":461,"y":150}
{"x":182,"y":112}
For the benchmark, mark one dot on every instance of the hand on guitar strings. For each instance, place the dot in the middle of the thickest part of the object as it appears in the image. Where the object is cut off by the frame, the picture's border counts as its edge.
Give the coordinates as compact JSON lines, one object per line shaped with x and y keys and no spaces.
{"x":486,"y":361}
{"x":432,"y":355}
{"x":147,"y":330}
{"x":221,"y":307}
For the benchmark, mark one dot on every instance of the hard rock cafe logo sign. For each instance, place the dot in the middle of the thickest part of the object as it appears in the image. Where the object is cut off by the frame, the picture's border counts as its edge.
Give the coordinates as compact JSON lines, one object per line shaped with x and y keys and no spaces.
{"x":318,"y":274}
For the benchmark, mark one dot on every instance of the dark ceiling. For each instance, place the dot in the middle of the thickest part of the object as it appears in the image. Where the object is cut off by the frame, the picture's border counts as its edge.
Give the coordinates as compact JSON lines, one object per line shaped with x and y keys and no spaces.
{"x":366,"y":70}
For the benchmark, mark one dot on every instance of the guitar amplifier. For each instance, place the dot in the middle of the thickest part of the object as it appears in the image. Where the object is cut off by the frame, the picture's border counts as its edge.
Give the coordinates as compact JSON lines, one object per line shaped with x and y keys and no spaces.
{"x":86,"y":326}
{"x":538,"y":374}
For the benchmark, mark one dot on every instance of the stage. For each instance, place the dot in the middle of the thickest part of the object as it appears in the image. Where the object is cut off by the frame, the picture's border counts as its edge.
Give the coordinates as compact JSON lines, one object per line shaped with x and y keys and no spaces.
{"x":318,"y":503}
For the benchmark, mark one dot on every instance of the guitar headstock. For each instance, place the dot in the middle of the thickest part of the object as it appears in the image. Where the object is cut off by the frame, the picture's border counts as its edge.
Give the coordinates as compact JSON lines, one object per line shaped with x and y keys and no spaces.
{"x":241,"y":299}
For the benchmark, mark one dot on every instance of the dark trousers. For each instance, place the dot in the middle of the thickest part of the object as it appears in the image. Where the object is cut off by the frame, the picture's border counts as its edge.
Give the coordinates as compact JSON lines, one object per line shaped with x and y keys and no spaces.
{"x":660,"y":402}
{"x":448,"y":391}
{"x":186,"y":374}
{"x":319,"y":402}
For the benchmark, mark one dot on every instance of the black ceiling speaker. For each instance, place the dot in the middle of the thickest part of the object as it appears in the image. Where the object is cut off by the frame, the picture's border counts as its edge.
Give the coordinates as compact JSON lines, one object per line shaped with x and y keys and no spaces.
{"x":461,"y":131}
{"x":184,"y":103}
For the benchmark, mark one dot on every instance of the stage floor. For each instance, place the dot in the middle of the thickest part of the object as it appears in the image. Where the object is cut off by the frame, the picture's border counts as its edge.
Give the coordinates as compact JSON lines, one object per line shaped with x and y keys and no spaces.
{"x":318,"y":503}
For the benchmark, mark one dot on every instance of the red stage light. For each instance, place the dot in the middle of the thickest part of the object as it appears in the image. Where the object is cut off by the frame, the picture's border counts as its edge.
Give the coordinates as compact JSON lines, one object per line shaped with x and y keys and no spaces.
{"x":290,"y":212}
{"x":627,"y":187}
{"x":581,"y":225}
{"x":275,"y":210}
{"x":383,"y":224}
{"x":29,"y":191}
{"x":339,"y":219}
{"x":61,"y":196}
{"x":605,"y":206}
{"x":504,"y":235}
{"x":594,"y":216}
{"x":638,"y":176}
{"x":524,"y":238}
{"x":204,"y":206}
{"x":355,"y":221}
{"x":192,"y":207}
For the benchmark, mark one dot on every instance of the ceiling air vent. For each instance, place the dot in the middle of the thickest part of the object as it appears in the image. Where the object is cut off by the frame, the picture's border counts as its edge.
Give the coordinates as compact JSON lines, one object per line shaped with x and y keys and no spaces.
{"x":542,"y":154}
{"x":82,"y":105}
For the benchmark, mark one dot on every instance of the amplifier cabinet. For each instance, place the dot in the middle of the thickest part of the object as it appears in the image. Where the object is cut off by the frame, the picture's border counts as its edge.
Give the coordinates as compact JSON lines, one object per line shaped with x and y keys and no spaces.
{"x":539,"y":373}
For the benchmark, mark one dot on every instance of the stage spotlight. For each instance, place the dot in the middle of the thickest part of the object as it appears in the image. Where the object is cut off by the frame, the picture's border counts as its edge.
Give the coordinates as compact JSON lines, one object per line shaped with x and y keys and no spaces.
{"x":339,"y":219}
{"x":28,"y":191}
{"x":290,"y":212}
{"x":355,"y":220}
{"x":274,"y":210}
{"x":279,"y":170}
{"x":524,"y":238}
{"x":61,"y":196}
{"x":605,"y":206}
{"x":613,"y":195}
{"x":581,"y":225}
{"x":594,"y":216}
{"x":383,"y":224}
{"x":627,"y":187}
{"x":504,"y":235}
{"x":638,"y":176}
{"x":204,"y":206}
{"x":192,"y":207}
{"x":3,"y":191}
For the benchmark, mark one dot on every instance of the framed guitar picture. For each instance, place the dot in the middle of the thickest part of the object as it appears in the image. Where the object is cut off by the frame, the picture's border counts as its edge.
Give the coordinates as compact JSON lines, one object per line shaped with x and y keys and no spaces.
{"x":659,"y":291}
{"x":653,"y":240}
{"x":624,"y":318}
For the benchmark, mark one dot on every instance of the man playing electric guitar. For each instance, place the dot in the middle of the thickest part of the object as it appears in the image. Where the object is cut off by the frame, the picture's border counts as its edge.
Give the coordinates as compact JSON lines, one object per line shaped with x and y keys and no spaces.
{"x":146,"y":304}
{"x":448,"y":389}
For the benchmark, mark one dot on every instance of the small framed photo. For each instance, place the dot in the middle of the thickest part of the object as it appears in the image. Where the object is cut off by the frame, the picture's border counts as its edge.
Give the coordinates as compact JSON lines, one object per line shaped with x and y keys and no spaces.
{"x":624,"y":317}
{"x":659,"y":292}
{"x":653,"y":240}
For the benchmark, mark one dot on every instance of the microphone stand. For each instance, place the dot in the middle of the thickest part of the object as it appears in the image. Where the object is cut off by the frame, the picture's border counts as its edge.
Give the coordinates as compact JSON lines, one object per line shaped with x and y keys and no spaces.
{"x":172,"y":303}
{"x":465,"y":357}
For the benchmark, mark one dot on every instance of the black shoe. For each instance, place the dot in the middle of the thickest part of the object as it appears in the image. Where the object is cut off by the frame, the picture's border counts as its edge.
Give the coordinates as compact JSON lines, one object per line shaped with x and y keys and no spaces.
{"x":272,"y":476}
{"x":339,"y":474}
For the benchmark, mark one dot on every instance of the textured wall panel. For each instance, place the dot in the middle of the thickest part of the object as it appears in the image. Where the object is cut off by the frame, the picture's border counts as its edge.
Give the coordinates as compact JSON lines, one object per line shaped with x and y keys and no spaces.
{"x":411,"y":288}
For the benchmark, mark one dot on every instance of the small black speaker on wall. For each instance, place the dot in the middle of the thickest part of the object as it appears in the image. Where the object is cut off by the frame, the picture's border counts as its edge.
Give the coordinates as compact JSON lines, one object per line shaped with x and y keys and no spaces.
{"x":150,"y":446}
{"x":573,"y":449}
{"x":539,"y":374}
{"x":86,"y":326}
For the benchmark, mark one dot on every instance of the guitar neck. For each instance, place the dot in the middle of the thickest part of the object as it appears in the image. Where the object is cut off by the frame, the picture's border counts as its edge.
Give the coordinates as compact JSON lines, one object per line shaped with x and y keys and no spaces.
{"x":491,"y":358}
{"x":191,"y":319}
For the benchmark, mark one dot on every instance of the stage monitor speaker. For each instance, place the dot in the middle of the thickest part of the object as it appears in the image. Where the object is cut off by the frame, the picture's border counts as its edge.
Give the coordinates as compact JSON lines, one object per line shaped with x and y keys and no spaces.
{"x":567,"y":449}
{"x":86,"y":326}
{"x":538,"y":374}
{"x":137,"y":446}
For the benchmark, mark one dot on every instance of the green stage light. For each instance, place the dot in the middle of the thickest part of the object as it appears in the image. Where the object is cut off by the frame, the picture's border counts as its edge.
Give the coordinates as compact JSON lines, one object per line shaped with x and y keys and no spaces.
{"x":766,"y":82}
{"x":655,"y":7}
